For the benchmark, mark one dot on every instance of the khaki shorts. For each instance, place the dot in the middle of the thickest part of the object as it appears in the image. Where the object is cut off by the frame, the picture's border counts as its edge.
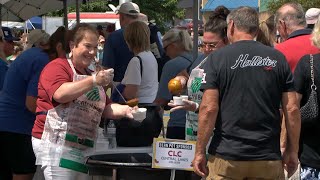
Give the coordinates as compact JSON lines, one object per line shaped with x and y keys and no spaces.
{"x":220,"y":169}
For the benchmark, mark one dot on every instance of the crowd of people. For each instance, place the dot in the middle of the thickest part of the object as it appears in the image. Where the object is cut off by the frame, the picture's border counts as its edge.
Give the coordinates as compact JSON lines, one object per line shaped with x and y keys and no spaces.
{"x":253,"y":73}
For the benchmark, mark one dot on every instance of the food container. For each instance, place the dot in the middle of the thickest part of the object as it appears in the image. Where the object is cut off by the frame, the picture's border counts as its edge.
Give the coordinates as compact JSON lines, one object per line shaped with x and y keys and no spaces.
{"x":177,"y":100}
{"x":184,"y":97}
{"x":139,"y":114}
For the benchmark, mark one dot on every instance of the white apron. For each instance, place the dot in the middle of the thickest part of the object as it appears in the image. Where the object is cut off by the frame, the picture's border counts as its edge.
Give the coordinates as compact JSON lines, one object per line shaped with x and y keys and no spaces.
{"x":194,"y":83}
{"x":70,"y":130}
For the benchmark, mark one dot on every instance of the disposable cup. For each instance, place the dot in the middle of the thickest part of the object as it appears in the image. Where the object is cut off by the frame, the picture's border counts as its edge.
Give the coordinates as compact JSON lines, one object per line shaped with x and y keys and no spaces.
{"x":139,"y":114}
{"x":184,"y":97}
{"x":177,"y":100}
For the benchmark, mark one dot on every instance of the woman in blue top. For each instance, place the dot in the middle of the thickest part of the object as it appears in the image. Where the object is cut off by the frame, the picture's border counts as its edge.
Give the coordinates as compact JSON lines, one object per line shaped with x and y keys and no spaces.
{"x":178,"y":46}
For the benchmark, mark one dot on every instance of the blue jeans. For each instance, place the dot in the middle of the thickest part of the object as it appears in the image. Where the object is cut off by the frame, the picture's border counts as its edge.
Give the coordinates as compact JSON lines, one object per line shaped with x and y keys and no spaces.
{"x":308,"y":173}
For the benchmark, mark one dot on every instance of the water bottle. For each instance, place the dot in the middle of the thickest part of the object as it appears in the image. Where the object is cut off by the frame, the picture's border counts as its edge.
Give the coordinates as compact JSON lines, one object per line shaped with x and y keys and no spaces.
{"x":111,"y":133}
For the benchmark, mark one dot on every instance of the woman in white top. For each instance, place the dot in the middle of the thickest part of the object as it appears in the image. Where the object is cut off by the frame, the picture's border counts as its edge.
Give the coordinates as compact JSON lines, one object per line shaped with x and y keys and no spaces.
{"x":141,"y":77}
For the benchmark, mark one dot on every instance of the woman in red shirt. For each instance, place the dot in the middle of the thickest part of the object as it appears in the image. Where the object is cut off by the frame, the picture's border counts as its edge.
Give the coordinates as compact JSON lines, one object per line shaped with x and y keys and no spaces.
{"x":69,"y":108}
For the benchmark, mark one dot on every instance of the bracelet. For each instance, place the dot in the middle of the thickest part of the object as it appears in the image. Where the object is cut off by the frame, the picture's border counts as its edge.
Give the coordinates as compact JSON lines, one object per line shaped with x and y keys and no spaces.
{"x":94,"y":79}
{"x":197,"y":108}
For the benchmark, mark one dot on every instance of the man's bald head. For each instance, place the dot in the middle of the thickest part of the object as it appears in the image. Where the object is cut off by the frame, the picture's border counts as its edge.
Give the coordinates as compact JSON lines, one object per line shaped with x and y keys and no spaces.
{"x":293,"y":15}
{"x":142,"y":17}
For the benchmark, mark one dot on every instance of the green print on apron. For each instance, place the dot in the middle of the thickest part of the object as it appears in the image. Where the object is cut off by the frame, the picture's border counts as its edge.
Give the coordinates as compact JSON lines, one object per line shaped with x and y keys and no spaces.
{"x":70,"y":130}
{"x":195,"y":95}
{"x":196,"y":84}
{"x":93,"y":95}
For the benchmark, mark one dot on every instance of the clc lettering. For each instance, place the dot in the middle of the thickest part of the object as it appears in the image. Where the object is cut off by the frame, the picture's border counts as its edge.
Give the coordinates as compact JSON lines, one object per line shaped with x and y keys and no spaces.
{"x":174,"y":153}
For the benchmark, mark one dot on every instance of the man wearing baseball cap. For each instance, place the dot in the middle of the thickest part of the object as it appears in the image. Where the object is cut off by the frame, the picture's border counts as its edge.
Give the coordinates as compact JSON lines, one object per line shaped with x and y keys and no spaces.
{"x":6,"y":49}
{"x":8,"y":41}
{"x":312,"y":15}
{"x":116,"y":52}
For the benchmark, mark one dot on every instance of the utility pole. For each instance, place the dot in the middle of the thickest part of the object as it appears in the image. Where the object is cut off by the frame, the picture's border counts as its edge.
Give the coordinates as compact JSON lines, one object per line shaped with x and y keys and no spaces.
{"x":77,"y":12}
{"x":195,"y":28}
{"x":123,"y":1}
{"x":65,"y":14}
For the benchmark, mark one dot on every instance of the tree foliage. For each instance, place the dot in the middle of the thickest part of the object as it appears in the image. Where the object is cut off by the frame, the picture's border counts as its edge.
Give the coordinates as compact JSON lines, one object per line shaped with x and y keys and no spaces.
{"x":162,"y":11}
{"x":273,"y":5}
{"x":95,"y":6}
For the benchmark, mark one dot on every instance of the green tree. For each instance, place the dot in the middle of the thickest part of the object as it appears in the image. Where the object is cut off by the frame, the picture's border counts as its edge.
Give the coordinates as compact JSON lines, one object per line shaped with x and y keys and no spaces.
{"x":162,"y":11}
{"x":95,"y":6}
{"x":273,"y":5}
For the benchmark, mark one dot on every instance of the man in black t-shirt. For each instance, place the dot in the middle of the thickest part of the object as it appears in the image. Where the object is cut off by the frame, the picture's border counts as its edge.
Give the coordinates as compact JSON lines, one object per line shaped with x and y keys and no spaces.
{"x":244,"y":85}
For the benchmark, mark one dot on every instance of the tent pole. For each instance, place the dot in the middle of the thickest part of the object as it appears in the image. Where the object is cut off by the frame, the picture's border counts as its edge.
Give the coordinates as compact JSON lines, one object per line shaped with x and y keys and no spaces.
{"x":77,"y":12}
{"x":65,"y":14}
{"x":0,"y":16}
{"x":195,"y":28}
{"x":31,"y":24}
{"x":65,"y":21}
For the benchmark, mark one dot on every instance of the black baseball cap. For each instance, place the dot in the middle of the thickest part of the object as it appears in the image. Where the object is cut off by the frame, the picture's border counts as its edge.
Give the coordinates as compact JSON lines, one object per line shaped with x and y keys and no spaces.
{"x":7,"y":35}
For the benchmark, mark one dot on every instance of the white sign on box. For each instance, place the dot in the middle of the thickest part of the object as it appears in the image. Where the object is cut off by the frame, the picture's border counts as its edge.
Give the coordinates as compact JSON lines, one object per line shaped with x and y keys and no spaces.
{"x":173,"y":154}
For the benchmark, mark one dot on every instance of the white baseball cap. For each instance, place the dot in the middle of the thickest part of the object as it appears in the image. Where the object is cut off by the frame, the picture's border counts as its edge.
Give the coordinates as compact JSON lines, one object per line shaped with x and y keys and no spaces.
{"x":129,"y":8}
{"x":312,"y":15}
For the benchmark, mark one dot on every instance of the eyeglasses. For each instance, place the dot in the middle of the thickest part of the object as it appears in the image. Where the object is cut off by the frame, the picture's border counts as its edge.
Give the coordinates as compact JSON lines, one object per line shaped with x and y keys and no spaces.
{"x":211,"y":45}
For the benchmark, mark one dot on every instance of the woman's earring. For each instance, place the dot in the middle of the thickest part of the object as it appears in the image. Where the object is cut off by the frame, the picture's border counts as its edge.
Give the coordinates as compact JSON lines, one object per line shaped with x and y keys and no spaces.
{"x":70,"y":54}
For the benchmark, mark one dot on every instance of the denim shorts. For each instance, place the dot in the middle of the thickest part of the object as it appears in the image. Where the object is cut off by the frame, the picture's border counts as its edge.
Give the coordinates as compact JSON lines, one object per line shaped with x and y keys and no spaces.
{"x":308,"y":173}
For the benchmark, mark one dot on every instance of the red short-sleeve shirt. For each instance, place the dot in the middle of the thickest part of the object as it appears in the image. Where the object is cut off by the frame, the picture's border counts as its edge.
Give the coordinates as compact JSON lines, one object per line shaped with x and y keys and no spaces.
{"x":52,"y":77}
{"x":296,"y":47}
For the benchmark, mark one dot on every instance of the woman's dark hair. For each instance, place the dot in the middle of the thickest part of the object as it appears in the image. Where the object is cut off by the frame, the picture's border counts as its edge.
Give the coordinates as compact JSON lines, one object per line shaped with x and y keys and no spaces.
{"x":217,"y":22}
{"x":59,"y":36}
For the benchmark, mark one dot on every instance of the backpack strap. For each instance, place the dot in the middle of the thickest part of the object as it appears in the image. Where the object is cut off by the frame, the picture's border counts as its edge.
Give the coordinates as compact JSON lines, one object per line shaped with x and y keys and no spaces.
{"x":141,"y":67}
{"x":188,"y":68}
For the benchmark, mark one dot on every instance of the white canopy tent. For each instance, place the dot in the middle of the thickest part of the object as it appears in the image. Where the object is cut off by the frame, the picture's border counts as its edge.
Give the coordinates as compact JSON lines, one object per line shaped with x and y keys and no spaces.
{"x":12,"y":24}
{"x":21,"y":10}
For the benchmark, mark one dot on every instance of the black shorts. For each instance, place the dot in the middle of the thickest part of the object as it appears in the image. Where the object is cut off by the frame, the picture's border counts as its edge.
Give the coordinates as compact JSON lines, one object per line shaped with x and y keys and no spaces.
{"x":16,"y":153}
